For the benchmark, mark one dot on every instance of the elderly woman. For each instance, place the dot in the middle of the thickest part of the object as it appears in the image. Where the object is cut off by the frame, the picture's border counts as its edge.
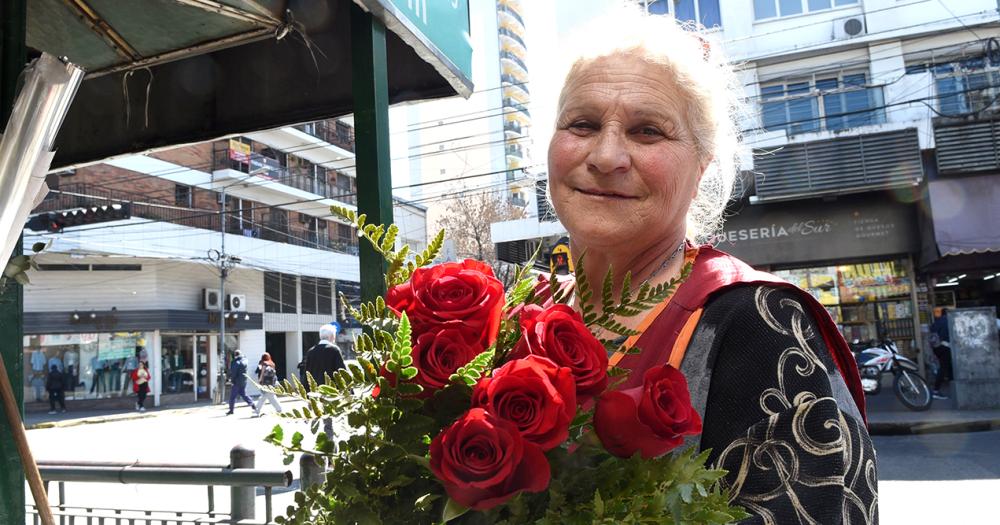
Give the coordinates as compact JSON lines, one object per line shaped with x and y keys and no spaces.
{"x":641,"y":166}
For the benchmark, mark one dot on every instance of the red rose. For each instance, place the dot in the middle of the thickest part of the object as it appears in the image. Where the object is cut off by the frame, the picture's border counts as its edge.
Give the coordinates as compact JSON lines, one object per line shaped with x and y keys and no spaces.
{"x":465,"y":291}
{"x":440,"y":351}
{"x":534,"y":394}
{"x":652,"y":419}
{"x":558,"y":333}
{"x":483,"y":461}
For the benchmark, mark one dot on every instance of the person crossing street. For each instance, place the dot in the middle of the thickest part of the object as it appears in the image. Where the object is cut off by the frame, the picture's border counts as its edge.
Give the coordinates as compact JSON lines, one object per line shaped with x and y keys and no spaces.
{"x":238,"y":376}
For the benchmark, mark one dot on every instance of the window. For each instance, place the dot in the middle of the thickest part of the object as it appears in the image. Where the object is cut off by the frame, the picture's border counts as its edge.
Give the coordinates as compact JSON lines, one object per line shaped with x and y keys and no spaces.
{"x":963,"y":86}
{"x":272,"y":292}
{"x":182,"y":195}
{"x":830,"y":102}
{"x":317,"y":295}
{"x":763,"y":9}
{"x":324,"y":296}
{"x":308,"y":295}
{"x":279,"y":293}
{"x":288,"y":284}
{"x":705,"y":12}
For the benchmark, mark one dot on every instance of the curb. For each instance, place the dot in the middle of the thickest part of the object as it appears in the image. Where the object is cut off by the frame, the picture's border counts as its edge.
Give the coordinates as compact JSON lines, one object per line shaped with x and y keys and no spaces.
{"x":905,"y":428}
{"x":110,"y":418}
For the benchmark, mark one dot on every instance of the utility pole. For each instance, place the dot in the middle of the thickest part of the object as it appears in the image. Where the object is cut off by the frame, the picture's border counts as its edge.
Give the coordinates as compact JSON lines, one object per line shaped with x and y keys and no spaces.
{"x":224,"y":263}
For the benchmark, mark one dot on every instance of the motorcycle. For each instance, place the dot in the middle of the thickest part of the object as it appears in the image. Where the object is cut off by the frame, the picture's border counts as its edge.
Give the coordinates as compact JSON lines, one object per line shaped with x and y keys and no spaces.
{"x":884,"y":358}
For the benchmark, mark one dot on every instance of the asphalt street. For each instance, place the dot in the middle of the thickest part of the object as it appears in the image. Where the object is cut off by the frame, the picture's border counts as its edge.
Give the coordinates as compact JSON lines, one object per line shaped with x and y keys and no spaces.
{"x":939,"y":478}
{"x":932,"y":478}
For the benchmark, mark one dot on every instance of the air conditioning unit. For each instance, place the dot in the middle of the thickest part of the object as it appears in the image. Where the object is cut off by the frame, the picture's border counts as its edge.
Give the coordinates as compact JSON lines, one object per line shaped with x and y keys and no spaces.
{"x":210,"y":298}
{"x":236,"y":303}
{"x":850,"y":27}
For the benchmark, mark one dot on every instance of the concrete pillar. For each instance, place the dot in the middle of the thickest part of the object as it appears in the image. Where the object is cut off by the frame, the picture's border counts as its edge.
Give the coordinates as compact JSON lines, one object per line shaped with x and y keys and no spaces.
{"x":242,"y":499}
{"x":311,"y":471}
{"x":155,"y":349}
{"x":214,"y":354}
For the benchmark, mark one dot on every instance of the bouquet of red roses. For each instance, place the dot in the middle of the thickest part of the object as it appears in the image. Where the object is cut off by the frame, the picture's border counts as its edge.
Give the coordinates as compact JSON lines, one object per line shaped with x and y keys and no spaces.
{"x":480,"y":405}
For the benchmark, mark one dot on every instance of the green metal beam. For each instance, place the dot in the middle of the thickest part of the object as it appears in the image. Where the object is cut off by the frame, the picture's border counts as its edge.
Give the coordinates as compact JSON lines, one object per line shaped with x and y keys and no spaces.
{"x":371,"y":124}
{"x":13,"y":55}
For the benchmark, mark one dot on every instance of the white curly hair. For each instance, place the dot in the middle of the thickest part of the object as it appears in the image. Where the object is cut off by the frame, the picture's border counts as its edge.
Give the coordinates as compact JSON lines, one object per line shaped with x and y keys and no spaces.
{"x":690,"y":54}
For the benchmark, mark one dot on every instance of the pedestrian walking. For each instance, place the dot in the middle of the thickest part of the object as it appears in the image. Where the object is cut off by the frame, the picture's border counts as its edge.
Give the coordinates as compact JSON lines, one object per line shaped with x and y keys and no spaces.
{"x":238,"y":376}
{"x":267,"y":376}
{"x":140,"y":384}
{"x":56,"y":385}
{"x":940,"y":340}
{"x":324,"y":358}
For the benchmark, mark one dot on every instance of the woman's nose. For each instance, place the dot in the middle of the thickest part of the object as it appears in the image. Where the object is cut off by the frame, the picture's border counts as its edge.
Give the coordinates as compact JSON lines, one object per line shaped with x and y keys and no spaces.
{"x":610,"y":154}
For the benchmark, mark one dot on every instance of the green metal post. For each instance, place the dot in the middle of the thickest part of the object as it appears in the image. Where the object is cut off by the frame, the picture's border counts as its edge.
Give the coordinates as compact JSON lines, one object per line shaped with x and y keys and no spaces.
{"x":13,"y":55}
{"x":371,"y":121}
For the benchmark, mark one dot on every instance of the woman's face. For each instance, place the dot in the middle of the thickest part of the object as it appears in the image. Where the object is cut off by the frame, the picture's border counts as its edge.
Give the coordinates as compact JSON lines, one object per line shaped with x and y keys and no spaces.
{"x":623,"y":164}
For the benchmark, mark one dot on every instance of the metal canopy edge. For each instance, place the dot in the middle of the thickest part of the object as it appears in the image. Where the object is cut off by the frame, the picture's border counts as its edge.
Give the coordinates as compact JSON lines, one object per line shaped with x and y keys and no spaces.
{"x":398,"y":23}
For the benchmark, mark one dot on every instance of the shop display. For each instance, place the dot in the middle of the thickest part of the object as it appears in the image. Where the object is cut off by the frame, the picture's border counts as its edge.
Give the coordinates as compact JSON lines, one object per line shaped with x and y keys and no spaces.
{"x":868,"y":301}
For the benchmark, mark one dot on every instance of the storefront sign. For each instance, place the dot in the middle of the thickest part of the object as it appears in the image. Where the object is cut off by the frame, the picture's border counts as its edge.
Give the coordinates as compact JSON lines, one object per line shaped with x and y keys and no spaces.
{"x":437,"y":29}
{"x":809,"y":231}
{"x":239,"y":151}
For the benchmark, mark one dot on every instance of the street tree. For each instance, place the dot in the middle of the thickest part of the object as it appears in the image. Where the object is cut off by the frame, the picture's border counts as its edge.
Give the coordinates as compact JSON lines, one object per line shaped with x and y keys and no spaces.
{"x":467,"y":221}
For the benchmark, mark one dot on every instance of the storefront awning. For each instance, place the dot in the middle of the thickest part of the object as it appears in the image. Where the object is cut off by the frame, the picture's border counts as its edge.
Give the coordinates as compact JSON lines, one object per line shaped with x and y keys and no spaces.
{"x":966,"y":212}
{"x":167,"y":72}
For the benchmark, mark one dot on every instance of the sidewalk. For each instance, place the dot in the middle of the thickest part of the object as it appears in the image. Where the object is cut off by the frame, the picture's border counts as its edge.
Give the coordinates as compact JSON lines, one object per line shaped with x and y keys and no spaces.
{"x":33,"y":420}
{"x":888,"y":417}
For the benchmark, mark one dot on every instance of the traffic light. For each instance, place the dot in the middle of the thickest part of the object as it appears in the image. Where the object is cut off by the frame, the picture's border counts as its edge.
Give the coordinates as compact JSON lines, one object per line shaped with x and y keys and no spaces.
{"x":55,"y":221}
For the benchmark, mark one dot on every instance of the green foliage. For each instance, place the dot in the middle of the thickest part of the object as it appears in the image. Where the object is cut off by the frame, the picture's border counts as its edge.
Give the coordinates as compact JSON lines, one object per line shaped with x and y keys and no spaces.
{"x":627,"y":304}
{"x":470,"y":373}
{"x":383,"y":240}
{"x":378,"y":459}
{"x":589,"y":487}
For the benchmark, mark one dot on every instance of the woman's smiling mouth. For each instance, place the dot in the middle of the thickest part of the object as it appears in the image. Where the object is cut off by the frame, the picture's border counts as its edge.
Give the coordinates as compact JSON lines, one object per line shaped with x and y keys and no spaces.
{"x":604,"y":194}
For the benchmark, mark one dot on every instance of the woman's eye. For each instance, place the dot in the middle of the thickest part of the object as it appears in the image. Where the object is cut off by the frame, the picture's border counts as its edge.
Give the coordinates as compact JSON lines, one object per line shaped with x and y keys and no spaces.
{"x":582,"y":125}
{"x":649,"y":131}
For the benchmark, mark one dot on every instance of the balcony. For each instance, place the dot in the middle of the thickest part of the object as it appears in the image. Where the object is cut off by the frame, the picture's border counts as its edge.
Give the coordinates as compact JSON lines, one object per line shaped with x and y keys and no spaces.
{"x":334,"y":132}
{"x":514,"y":58}
{"x":309,"y":178}
{"x":160,"y":210}
{"x":513,"y":36}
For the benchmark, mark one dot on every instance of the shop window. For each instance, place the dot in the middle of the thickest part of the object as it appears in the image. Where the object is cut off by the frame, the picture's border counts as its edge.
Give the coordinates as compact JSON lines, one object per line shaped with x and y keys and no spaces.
{"x":869,"y":301}
{"x":96,"y":365}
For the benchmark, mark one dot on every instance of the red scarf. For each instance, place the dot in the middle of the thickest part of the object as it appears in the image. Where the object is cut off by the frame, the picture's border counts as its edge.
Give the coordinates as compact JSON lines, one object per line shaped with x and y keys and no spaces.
{"x":714,"y":272}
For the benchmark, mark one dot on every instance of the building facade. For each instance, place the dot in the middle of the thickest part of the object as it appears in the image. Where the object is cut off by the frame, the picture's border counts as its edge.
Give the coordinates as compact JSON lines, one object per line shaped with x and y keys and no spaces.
{"x":147,"y":286}
{"x":870,"y":174}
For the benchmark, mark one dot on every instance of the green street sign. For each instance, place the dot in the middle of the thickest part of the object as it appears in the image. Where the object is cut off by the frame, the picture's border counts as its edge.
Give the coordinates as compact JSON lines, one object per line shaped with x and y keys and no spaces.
{"x":437,"y":29}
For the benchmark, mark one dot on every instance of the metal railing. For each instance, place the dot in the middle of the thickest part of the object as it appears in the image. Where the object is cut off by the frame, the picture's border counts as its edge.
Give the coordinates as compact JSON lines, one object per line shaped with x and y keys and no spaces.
{"x":336,"y":133}
{"x":83,"y":195}
{"x":305,"y":177}
{"x":239,"y":475}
